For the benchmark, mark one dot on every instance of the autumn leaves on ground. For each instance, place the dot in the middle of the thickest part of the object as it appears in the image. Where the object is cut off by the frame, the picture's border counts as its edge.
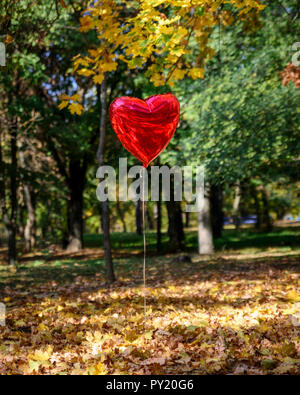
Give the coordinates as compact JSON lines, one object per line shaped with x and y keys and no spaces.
{"x":236,"y":312}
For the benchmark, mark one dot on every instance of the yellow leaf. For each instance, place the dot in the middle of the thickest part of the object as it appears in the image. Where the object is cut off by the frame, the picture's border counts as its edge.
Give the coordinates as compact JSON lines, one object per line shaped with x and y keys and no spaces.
{"x":293,"y":296}
{"x":196,"y":73}
{"x":86,"y":23}
{"x":111,"y":66}
{"x":98,"y":369}
{"x":86,"y":72}
{"x":42,"y":327}
{"x":180,"y":33}
{"x":40,"y":355}
{"x":166,"y":30}
{"x":148,"y":335}
{"x":177,"y":52}
{"x":63,"y":104}
{"x":75,"y":97}
{"x":178,"y":74}
{"x":65,"y":97}
{"x":76,"y":108}
{"x":157,"y":79}
{"x":98,"y":78}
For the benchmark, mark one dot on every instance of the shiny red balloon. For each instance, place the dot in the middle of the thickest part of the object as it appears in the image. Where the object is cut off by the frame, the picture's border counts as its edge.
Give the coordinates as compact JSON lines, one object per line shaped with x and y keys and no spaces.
{"x":145,"y":127}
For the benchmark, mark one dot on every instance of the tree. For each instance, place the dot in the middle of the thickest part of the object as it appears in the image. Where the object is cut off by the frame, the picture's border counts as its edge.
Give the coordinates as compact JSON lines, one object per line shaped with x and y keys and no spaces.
{"x":157,"y":36}
{"x":70,"y":139}
{"x":100,"y":160}
{"x":24,"y":25}
{"x":240,"y":121}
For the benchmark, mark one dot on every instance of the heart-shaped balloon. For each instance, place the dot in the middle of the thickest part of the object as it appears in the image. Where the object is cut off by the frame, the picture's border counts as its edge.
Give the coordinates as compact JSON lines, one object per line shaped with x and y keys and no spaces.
{"x":145,"y":127}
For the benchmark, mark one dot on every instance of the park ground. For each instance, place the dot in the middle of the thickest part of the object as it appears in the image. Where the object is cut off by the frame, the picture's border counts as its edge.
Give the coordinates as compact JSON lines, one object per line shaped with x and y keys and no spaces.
{"x":236,"y":312}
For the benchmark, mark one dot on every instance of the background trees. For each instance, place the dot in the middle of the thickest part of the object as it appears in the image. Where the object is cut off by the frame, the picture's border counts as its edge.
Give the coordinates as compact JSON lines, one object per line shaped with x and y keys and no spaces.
{"x":24,"y":28}
{"x":240,"y":121}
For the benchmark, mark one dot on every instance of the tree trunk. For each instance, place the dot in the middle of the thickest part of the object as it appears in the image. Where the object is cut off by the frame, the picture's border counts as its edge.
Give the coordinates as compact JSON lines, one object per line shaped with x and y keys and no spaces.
{"x":216,"y":202}
{"x":236,"y":205}
{"x":10,"y":221}
{"x":75,"y":222}
{"x":30,"y":227}
{"x":150,"y":221}
{"x":105,"y":206}
{"x":21,"y":224}
{"x":259,"y":221}
{"x":121,"y":215}
{"x":100,"y":227}
{"x":175,"y":228}
{"x":75,"y":205}
{"x":158,"y":215}
{"x":46,"y":220}
{"x":138,"y":217}
{"x":205,"y":234}
{"x":265,"y":211}
{"x":158,"y":226}
{"x":187,"y":219}
{"x":12,"y":246}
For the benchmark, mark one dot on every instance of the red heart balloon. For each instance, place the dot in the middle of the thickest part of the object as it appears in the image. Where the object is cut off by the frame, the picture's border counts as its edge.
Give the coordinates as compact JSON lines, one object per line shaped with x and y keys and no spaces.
{"x":145,"y":127}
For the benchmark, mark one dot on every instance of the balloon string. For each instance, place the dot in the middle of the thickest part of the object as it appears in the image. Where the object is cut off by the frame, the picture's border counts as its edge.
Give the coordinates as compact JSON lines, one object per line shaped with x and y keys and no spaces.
{"x":144,"y":237}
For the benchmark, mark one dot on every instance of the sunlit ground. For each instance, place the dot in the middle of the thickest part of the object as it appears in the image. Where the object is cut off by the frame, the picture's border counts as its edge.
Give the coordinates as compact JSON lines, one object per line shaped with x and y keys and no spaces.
{"x":235,"y":313}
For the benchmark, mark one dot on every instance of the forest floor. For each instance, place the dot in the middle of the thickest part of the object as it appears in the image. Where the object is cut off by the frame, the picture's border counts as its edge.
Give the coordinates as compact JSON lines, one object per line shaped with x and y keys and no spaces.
{"x":236,"y":312}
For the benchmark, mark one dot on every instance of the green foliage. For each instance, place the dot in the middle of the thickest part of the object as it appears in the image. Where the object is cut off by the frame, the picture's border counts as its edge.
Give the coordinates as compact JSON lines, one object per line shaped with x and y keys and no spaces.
{"x":240,"y":118}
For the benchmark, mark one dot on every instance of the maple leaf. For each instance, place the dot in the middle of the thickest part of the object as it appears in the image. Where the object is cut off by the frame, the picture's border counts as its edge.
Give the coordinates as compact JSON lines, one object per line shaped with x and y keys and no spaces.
{"x":111,"y":66}
{"x":76,"y":108}
{"x":196,"y":73}
{"x":85,"y":72}
{"x":40,"y":358}
{"x":98,"y":78}
{"x":63,"y":104}
{"x":98,"y":369}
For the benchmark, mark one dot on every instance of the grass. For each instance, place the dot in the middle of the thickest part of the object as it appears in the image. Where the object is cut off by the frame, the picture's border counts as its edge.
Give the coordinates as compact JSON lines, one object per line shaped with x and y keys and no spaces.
{"x":65,"y":270}
{"x":128,"y":241}
{"x":231,"y":240}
